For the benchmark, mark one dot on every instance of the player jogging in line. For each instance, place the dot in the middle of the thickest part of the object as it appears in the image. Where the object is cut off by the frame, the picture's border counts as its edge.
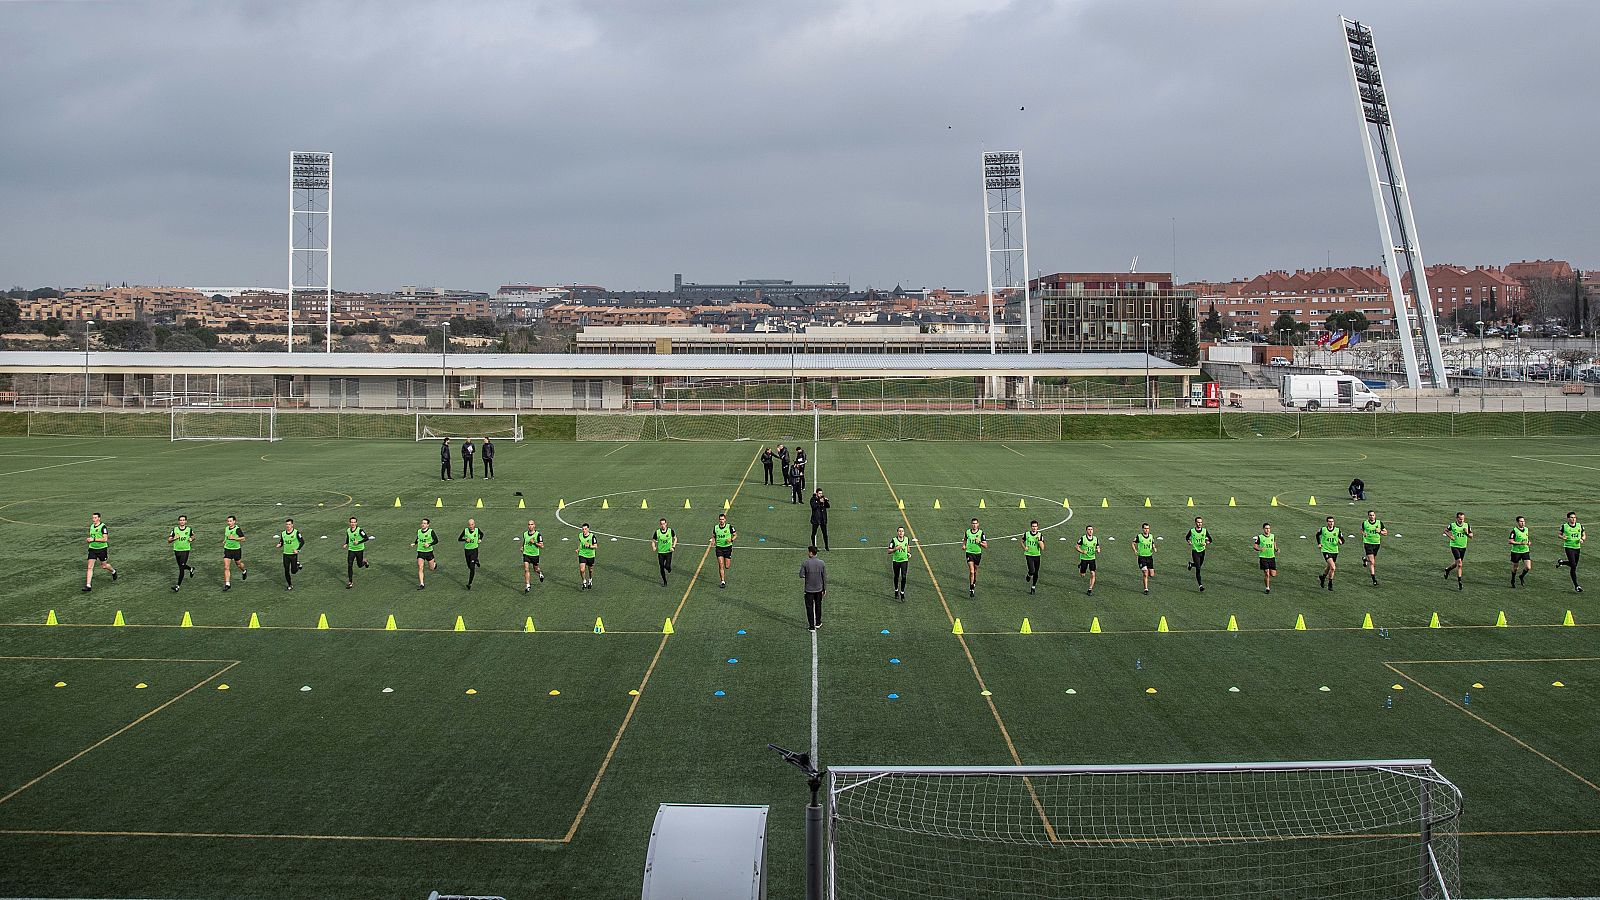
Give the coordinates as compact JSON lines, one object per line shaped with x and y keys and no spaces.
{"x":1329,"y":540}
{"x":426,"y":539}
{"x":975,"y":542}
{"x":1267,"y":549}
{"x":1458,"y":532}
{"x":355,"y":551}
{"x":1521,"y":542}
{"x":1372,"y":535}
{"x":291,"y":540}
{"x":1572,"y":537}
{"x":900,"y":560}
{"x":666,"y":541}
{"x":1088,"y":549}
{"x":723,"y":535}
{"x":532,"y":546}
{"x":586,"y":550}
{"x":232,"y":552}
{"x":1033,"y":552}
{"x":1144,"y":549}
{"x":182,"y":541}
{"x":99,"y":541}
{"x":1199,"y":538}
{"x":470,"y":537}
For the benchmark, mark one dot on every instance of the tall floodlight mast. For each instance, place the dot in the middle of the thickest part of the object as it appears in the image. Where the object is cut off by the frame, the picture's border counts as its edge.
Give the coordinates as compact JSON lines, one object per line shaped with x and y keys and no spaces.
{"x":1005,"y":235}
{"x":1391,"y":199}
{"x":311,"y":233}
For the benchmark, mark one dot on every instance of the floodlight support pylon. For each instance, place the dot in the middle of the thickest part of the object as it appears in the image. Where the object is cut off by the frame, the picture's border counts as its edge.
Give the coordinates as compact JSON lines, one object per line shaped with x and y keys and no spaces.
{"x":311,"y":201}
{"x":1005,"y":234}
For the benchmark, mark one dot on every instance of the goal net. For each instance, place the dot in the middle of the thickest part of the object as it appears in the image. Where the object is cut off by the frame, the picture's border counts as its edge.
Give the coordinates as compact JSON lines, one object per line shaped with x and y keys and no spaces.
{"x":498,"y":426}
{"x":1319,"y":829}
{"x":223,"y":423}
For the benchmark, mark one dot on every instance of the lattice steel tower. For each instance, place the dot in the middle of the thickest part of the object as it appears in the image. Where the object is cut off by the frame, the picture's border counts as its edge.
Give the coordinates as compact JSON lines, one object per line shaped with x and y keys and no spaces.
{"x":1391,"y":199}
{"x":1005,"y":234}
{"x":311,"y":233}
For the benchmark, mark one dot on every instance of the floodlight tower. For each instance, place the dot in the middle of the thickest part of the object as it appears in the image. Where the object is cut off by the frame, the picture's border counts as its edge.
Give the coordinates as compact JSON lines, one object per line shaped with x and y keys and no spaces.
{"x":1391,"y":199}
{"x":1005,"y":234}
{"x":311,"y":232}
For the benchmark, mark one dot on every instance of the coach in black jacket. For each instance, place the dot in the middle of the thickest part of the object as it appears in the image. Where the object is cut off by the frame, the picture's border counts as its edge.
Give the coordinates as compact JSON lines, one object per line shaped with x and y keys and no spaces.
{"x":444,"y":460}
{"x":819,"y":517}
{"x":487,"y":452}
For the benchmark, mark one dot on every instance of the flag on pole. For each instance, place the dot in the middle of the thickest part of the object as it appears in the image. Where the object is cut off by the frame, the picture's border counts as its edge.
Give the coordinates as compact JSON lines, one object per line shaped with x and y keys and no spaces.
{"x":1324,"y":338}
{"x":1339,"y":342}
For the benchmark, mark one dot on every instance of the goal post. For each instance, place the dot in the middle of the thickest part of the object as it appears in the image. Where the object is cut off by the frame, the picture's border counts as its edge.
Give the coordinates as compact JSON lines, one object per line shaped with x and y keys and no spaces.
{"x":1345,"y":829}
{"x":496,"y":426}
{"x":223,"y":423}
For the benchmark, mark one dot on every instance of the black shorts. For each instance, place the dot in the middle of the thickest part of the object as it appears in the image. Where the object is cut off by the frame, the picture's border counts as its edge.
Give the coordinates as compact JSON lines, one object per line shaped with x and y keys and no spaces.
{"x":725,"y":552}
{"x":586,"y":561}
{"x":530,"y":560}
{"x":1520,"y":557}
{"x":1147,"y":562}
{"x":472,"y":555}
{"x":1085,"y":565}
{"x":235,"y":553}
{"x":1370,"y":549}
{"x":1458,"y":552}
{"x":1330,"y":557}
{"x":182,"y":556}
{"x":358,"y":556}
{"x":975,"y":558}
{"x":101,"y":554}
{"x":425,"y":554}
{"x":1269,"y":562}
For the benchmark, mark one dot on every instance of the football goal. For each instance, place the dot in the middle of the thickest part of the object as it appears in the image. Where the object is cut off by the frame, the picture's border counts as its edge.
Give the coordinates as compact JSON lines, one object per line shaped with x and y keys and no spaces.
{"x":1360,"y":829}
{"x":223,"y":423}
{"x":497,"y":426}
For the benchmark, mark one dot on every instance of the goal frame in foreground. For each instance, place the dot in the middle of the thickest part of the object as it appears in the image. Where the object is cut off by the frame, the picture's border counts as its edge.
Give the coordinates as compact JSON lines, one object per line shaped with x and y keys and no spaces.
{"x":268,"y":413}
{"x":1044,"y":831}
{"x":506,"y":430}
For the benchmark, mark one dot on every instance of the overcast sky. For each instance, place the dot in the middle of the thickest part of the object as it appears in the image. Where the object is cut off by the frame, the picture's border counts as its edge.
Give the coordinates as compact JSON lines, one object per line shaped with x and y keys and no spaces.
{"x":619,"y":142}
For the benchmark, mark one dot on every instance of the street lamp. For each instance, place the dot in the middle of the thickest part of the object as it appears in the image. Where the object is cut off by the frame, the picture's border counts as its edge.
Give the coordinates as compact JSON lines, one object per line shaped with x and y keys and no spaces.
{"x":444,"y":381}
{"x":87,"y":324}
{"x":1483,"y":365}
{"x":1146,"y":327}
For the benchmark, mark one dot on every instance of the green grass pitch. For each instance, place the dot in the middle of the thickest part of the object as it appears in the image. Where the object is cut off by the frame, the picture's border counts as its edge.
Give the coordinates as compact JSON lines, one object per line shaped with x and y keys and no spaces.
{"x":425,"y":758}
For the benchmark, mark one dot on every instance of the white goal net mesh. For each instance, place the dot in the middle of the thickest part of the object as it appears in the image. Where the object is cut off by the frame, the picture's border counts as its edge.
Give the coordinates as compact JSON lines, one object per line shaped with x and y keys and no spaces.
{"x":497,"y":426}
{"x":1326,"y":830}
{"x":206,"y":423}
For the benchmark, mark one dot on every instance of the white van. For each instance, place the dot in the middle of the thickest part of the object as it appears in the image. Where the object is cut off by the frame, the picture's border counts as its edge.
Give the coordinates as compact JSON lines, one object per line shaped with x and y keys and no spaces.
{"x":1313,"y":392}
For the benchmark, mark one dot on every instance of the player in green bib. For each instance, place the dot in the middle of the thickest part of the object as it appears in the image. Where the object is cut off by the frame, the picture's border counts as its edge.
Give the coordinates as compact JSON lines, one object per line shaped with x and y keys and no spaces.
{"x":1372,"y":535}
{"x":587,"y":544}
{"x":1199,"y":538}
{"x":355,"y":551}
{"x":232,"y":552}
{"x":1144,"y":550}
{"x":722,"y":536}
{"x":900,"y":558}
{"x":1571,"y":544}
{"x":1458,"y":533}
{"x":1033,"y":552}
{"x":1521,"y":542}
{"x":532,"y":546}
{"x":1329,"y":540}
{"x":471,"y":536}
{"x":182,"y":540}
{"x":975,"y":543}
{"x":666,"y":541}
{"x":426,"y":540}
{"x":1088,"y":549}
{"x":1267,"y":549}
{"x":290,"y":540}
{"x":99,"y":541}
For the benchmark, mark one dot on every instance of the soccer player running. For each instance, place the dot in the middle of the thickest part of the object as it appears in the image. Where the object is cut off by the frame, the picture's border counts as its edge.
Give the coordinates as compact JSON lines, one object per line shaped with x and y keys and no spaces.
{"x":355,"y":551}
{"x":587,"y":545}
{"x":425,"y":542}
{"x":99,"y":541}
{"x":900,"y":558}
{"x":290,"y":540}
{"x":1521,"y":542}
{"x":1267,"y":549}
{"x":666,"y":541}
{"x":1199,"y":538}
{"x":1372,"y":535}
{"x":532,"y":546}
{"x":1572,"y":538}
{"x":723,"y":535}
{"x":975,"y":544}
{"x":1329,"y":539}
{"x":1033,"y":552}
{"x":232,"y":552}
{"x":1458,"y":533}
{"x":471,"y":536}
{"x":1088,"y":549}
{"x":182,"y":541}
{"x":1144,"y":548}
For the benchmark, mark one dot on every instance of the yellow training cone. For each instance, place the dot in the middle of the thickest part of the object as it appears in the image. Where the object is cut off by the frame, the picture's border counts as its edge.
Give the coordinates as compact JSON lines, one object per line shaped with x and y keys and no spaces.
{"x":1500,"y":620}
{"x":644,"y":504}
{"x":1568,"y":620}
{"x":605,"y":504}
{"x":1274,"y":501}
{"x":957,"y":629}
{"x":390,"y":624}
{"x":438,"y":503}
{"x":1434,"y":621}
{"x":1552,"y":684}
{"x":255,"y":621}
{"x":1027,"y":628}
{"x":1094,"y":625}
{"x":936,"y":503}
{"x":140,"y":686}
{"x":472,"y":690}
{"x":397,"y":503}
{"x":322,"y":621}
{"x":1147,"y":503}
{"x":1022,"y":504}
{"x":1366,"y":621}
{"x":1233,"y":624}
{"x":187,"y":622}
{"x":561,"y":504}
{"x":686,"y":503}
{"x":1397,"y":687}
{"x":1065,"y":503}
{"x":599,"y":626}
{"x":666,"y":627}
{"x":555,"y":693}
{"x":118,"y":621}
{"x":1105,"y":503}
{"x":1161,"y":626}
{"x":1312,"y":501}
{"x":460,"y":624}
{"x":61,"y":684}
{"x":1477,"y":685}
{"x":1149,"y":690}
{"x":50,"y":618}
{"x":527,"y":627}
{"x":1191,"y":502}
{"x":900,"y":504}
{"x":521,"y":504}
{"x":222,"y":687}
{"x":1299,"y":622}
{"x":479,"y":504}
{"x":727,"y":505}
{"x":1232,"y":502}
{"x":981,"y":504}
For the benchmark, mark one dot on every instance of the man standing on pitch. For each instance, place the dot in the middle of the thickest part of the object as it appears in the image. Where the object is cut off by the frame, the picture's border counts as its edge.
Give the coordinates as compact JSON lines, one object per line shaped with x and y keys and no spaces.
{"x":974,"y":544}
{"x":723,"y":535}
{"x":666,"y":541}
{"x":471,"y":536}
{"x":444,"y":461}
{"x":1329,"y":539}
{"x":182,"y":541}
{"x":1033,"y":552}
{"x":1088,"y":550}
{"x":1458,"y":533}
{"x":425,"y":542}
{"x":797,"y":478}
{"x":766,"y":465}
{"x":232,"y":552}
{"x":815,"y":576}
{"x":487,"y":452}
{"x":1372,"y":535}
{"x":1521,"y":551}
{"x":900,"y":557}
{"x":1572,"y":538}
{"x":588,"y":544}
{"x":1267,"y":548}
{"x":99,"y":541}
{"x":467,"y":451}
{"x":291,"y":540}
{"x":532,"y":546}
{"x":1199,"y":538}
{"x":819,"y":517}
{"x":1144,"y":549}
{"x":355,"y":551}
{"x":783,"y":462}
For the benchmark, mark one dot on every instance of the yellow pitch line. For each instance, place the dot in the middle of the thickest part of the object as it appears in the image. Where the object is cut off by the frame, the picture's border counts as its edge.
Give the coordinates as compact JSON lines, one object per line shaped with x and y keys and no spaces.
{"x":1284,"y":628}
{"x":314,"y":628}
{"x":285,"y":837}
{"x":633,"y":705}
{"x":1005,"y":733}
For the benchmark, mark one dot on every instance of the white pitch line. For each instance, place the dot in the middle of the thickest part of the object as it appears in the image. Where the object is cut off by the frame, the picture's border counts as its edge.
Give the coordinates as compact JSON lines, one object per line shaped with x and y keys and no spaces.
{"x":623,"y":447}
{"x":78,"y":462}
{"x":814,"y":698}
{"x":1557,"y":462}
{"x":1014,"y":450}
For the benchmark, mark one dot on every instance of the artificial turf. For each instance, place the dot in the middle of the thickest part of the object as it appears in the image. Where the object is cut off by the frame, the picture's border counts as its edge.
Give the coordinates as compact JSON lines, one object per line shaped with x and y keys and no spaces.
{"x":180,"y":789}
